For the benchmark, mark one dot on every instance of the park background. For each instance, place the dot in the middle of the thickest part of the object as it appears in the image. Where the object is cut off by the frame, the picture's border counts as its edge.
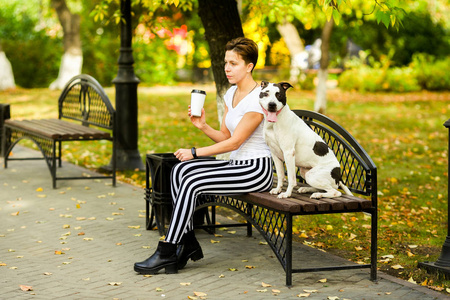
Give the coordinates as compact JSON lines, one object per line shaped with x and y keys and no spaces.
{"x":394,"y":98}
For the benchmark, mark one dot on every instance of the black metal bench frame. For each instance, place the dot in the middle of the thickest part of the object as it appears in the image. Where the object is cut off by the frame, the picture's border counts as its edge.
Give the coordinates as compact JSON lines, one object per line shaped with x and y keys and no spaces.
{"x":85,"y":113}
{"x":273,"y":217}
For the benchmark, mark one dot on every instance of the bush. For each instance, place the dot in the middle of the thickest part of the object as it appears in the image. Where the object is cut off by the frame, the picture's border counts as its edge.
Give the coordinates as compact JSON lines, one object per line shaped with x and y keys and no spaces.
{"x":423,"y":73}
{"x":363,"y":79}
{"x":431,"y":75}
{"x":401,"y":80}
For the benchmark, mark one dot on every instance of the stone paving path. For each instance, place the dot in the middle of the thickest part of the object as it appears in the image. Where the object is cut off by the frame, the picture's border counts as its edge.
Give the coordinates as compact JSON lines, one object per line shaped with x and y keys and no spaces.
{"x":80,"y":241}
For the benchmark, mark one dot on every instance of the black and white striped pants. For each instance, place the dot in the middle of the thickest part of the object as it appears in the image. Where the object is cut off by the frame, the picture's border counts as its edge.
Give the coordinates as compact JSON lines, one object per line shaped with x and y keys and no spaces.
{"x":191,"y":178}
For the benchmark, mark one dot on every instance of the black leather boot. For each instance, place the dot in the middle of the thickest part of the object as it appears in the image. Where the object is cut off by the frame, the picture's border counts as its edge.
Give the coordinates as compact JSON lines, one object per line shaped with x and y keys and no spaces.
{"x":189,"y":248}
{"x":165,"y":256}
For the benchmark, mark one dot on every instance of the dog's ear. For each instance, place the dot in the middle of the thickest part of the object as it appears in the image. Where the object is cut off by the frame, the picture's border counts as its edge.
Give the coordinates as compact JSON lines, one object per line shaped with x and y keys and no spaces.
{"x":285,"y":85}
{"x":264,"y":84}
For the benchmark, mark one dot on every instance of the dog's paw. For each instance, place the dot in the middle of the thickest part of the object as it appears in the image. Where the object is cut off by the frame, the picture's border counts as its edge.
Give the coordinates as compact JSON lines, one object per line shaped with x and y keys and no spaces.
{"x":275,"y":191}
{"x":284,"y":195}
{"x":316,"y":196}
{"x":302,"y":190}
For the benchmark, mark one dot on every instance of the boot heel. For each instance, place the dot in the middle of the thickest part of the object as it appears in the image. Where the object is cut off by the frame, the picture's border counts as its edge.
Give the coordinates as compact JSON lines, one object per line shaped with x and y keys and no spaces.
{"x":197,"y":254}
{"x":171,"y":269}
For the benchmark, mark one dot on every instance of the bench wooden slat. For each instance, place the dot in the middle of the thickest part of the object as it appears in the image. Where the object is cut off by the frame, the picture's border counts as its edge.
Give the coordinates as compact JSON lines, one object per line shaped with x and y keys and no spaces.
{"x":29,"y":127}
{"x":58,"y":129}
{"x":85,"y":131}
{"x":266,"y":199}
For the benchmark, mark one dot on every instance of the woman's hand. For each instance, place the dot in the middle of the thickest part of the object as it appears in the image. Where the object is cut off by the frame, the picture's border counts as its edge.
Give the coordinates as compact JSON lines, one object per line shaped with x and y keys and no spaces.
{"x":183,"y":154}
{"x":199,"y":122}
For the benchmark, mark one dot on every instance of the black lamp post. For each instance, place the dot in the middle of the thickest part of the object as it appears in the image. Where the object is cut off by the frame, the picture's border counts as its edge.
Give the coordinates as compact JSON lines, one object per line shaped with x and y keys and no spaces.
{"x":442,"y":264}
{"x":128,"y":157}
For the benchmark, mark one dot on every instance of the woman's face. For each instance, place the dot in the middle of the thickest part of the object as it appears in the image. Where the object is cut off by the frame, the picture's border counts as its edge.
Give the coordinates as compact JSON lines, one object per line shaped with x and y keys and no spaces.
{"x":235,"y":67}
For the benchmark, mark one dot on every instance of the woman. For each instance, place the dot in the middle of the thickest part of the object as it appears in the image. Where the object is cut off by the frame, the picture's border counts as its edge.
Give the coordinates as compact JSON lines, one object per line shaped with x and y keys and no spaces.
{"x":248,"y":170}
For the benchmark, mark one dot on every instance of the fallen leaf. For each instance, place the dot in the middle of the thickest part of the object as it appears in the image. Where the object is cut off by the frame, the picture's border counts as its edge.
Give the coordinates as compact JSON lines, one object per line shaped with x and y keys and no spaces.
{"x":303,"y":235}
{"x":276,"y":291}
{"x":159,"y":289}
{"x":358,"y":248}
{"x":15,"y":214}
{"x":26,"y":288}
{"x":249,"y":267}
{"x":88,"y":239}
{"x":322,"y":280}
{"x":115,"y":283}
{"x":135,"y":227}
{"x":110,"y":219}
{"x":411,"y":280}
{"x":232,"y":269}
{"x":221,"y":276}
{"x":185,"y":283}
{"x":310,"y":291}
{"x":333,"y":298}
{"x":265,"y":284}
{"x":214,"y":242}
{"x":263,"y":243}
{"x":39,"y":189}
{"x":396,"y":267}
{"x":65,"y":226}
{"x":303,"y":295}
{"x":262,"y":291}
{"x":200,"y":294}
{"x":48,"y":273}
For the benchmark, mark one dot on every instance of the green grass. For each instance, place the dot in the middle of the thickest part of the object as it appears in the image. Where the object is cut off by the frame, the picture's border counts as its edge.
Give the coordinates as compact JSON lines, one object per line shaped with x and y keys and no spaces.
{"x":403,"y":133}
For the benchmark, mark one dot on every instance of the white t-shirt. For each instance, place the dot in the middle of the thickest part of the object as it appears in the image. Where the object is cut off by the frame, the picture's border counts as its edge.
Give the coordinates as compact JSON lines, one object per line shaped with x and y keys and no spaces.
{"x":254,"y":146}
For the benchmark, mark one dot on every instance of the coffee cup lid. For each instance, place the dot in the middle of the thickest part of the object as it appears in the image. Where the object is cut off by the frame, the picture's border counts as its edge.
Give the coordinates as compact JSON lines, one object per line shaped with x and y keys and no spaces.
{"x":199,"y":91}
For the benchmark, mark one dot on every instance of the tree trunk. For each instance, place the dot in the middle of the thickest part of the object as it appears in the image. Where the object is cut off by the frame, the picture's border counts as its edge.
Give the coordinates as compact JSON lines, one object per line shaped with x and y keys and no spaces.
{"x":6,"y":75}
{"x":320,"y":104}
{"x":72,"y":59}
{"x":296,"y":48}
{"x":222,"y":23}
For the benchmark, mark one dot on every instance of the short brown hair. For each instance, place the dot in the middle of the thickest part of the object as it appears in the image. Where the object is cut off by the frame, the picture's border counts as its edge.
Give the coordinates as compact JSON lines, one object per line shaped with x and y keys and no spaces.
{"x":246,"y":48}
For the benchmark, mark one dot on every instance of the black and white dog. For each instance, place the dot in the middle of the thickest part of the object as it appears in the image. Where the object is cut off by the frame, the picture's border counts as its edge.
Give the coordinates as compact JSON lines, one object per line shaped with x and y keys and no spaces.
{"x":292,"y":141}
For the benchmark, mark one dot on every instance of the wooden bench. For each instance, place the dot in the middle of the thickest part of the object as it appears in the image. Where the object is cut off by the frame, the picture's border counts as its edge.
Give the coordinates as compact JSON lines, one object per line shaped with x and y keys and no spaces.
{"x":84,"y":114}
{"x":273,"y":217}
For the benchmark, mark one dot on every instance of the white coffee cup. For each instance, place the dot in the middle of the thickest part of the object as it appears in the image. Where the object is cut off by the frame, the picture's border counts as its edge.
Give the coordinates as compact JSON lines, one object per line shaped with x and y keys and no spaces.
{"x":197,"y":101}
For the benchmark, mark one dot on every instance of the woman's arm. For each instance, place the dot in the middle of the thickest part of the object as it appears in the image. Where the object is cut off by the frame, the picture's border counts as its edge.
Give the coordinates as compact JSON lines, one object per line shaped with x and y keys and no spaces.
{"x":249,"y":122}
{"x":215,"y":135}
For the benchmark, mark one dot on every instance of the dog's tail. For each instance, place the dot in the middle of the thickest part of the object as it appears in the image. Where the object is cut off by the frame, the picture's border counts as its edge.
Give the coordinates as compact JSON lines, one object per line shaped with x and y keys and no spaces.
{"x":345,"y":188}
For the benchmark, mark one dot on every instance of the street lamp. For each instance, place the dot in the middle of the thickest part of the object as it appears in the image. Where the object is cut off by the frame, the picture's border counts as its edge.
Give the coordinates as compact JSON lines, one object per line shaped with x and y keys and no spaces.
{"x":128,"y":157}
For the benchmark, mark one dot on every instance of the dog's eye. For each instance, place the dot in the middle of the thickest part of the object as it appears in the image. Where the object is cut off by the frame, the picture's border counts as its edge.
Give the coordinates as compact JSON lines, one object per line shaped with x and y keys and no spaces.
{"x":263,"y":94}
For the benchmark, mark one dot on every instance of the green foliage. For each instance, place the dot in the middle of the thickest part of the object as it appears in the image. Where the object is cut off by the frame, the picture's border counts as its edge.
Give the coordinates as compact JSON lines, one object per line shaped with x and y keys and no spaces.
{"x":154,"y":63}
{"x":431,"y":74}
{"x":423,"y":73}
{"x":33,"y":54}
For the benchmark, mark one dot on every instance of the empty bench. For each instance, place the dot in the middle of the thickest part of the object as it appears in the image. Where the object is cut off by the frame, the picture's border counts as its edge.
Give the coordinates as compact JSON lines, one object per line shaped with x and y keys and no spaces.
{"x":273,"y":217}
{"x":84,"y":114}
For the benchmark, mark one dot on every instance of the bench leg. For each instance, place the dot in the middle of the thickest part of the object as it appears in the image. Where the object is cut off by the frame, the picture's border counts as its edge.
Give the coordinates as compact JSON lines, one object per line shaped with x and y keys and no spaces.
{"x":288,"y":267}
{"x":374,"y":244}
{"x":249,"y":225}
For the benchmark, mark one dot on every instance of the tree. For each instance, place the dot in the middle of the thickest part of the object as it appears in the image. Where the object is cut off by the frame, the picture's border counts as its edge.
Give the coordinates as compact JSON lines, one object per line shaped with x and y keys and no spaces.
{"x":6,"y":76}
{"x":222,"y":23}
{"x":321,"y":92}
{"x":72,"y":59}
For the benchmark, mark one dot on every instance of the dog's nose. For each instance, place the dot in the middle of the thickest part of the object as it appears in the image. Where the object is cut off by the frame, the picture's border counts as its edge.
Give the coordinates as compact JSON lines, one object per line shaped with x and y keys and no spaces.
{"x":272,"y":107}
